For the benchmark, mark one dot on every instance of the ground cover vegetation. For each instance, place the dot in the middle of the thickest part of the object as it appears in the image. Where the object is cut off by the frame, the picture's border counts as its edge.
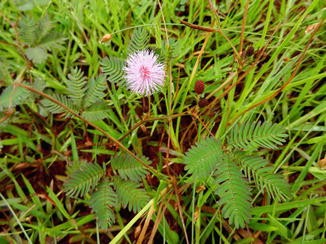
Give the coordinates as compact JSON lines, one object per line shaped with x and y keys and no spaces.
{"x":162,"y":121}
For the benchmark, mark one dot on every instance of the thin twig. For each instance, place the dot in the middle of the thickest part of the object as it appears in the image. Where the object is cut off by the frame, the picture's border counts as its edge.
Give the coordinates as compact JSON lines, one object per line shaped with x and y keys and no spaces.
{"x":199,"y":27}
{"x":294,"y":73}
{"x":243,"y":26}
{"x":145,"y":120}
{"x":208,"y":29}
{"x":74,"y":113}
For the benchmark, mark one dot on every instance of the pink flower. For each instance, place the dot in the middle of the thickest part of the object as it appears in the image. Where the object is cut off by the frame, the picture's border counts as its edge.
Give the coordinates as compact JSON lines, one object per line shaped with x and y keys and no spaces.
{"x":144,"y":74}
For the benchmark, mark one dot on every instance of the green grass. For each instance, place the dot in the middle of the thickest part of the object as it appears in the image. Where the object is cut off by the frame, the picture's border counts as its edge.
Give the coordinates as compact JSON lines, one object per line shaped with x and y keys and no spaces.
{"x":259,"y":60}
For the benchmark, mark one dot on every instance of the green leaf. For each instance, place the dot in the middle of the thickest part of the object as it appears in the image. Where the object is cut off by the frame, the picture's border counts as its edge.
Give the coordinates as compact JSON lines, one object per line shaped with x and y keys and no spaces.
{"x":102,"y":201}
{"x":139,"y":40}
{"x":201,"y":160}
{"x":113,"y":68}
{"x":29,"y":5}
{"x":257,"y":168}
{"x":129,"y":168}
{"x":76,"y":86}
{"x":55,"y":108}
{"x":44,"y":26}
{"x":250,"y":136}
{"x":36,"y":54}
{"x":234,"y":192}
{"x":95,"y":91}
{"x":58,"y":203}
{"x":52,"y":40}
{"x":40,"y":34}
{"x":96,"y":112}
{"x":14,"y":95}
{"x":130,"y":195}
{"x":28,"y":30}
{"x":83,"y":179}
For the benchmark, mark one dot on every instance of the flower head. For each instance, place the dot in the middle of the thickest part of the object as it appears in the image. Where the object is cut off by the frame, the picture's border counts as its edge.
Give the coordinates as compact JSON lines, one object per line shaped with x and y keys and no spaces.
{"x":144,"y":74}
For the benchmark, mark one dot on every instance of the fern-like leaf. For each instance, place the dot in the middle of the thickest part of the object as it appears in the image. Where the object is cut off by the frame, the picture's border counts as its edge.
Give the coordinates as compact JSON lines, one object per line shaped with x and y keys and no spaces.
{"x":44,"y":26}
{"x":95,"y":113}
{"x":234,"y":192}
{"x":130,"y":195}
{"x":76,"y":86}
{"x":257,"y":168}
{"x":95,"y":91}
{"x":250,"y":136}
{"x":139,"y":40}
{"x":128,"y":167}
{"x":102,"y":201}
{"x":4,"y":122}
{"x":28,"y":30}
{"x":201,"y":160}
{"x":83,"y":179}
{"x":40,"y":36}
{"x":14,"y":95}
{"x":36,"y":54}
{"x":55,"y":108}
{"x":52,"y":40}
{"x":113,"y":69}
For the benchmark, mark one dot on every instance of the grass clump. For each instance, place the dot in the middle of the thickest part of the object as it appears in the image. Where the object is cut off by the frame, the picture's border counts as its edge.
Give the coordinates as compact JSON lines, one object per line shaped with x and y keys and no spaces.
{"x":231,"y":148}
